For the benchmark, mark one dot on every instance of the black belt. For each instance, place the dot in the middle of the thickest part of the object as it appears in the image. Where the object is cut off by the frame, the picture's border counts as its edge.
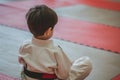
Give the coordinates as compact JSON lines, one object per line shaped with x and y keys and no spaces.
{"x":41,"y":76}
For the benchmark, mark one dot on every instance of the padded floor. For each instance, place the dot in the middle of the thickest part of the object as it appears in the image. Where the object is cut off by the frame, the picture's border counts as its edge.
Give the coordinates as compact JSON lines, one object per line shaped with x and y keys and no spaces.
{"x":114,"y":0}
{"x":91,"y":14}
{"x":106,"y":4}
{"x":106,"y":65}
{"x":6,"y":77}
{"x":116,"y":77}
{"x":94,"y":35}
{"x":85,"y":33}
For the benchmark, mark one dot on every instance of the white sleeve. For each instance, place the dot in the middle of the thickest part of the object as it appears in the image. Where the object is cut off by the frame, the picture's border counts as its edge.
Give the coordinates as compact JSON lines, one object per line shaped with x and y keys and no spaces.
{"x":63,"y":63}
{"x":24,"y":50}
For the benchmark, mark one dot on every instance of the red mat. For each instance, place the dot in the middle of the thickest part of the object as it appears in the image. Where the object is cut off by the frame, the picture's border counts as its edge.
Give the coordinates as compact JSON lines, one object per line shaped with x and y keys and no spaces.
{"x":90,"y":34}
{"x":116,"y":77}
{"x":105,"y":4}
{"x":5,"y":77}
{"x":25,"y":5}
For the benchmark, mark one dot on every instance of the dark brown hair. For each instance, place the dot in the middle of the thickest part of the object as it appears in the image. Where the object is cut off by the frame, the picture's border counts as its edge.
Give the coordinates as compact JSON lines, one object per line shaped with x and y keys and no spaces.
{"x":40,"y":18}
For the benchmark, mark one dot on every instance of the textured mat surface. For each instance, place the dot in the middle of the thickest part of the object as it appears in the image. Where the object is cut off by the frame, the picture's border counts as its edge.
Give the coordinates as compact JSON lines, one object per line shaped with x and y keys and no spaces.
{"x":91,"y":14}
{"x":5,"y":77}
{"x":106,"y":65}
{"x":106,"y":4}
{"x":26,"y":4}
{"x":112,"y":5}
{"x":90,"y":34}
{"x":94,"y":35}
{"x":116,"y":77}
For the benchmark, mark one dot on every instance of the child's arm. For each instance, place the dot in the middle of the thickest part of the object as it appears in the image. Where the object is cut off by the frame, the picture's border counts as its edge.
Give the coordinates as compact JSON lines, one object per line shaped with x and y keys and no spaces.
{"x":23,"y":52}
{"x":64,"y":64}
{"x":21,"y":60}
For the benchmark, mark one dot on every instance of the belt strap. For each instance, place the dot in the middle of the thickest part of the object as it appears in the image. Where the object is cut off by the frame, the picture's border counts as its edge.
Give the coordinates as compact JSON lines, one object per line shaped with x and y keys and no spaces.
{"x":43,"y":76}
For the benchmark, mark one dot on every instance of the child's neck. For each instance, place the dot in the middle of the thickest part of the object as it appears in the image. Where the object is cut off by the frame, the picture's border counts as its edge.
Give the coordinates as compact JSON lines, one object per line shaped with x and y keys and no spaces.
{"x":42,"y":37}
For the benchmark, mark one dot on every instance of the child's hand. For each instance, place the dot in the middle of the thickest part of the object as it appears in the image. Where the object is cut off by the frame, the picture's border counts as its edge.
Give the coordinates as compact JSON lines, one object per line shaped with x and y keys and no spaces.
{"x":21,"y":60}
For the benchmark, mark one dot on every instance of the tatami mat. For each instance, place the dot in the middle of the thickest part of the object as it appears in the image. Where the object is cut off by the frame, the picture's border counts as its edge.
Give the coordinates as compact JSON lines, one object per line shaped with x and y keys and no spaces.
{"x":83,"y":20}
{"x":6,"y":77}
{"x":106,"y":65}
{"x":90,"y":34}
{"x":85,"y":33}
{"x":91,"y":14}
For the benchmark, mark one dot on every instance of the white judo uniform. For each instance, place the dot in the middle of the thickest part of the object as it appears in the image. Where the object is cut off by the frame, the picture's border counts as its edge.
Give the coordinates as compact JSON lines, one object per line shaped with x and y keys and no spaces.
{"x":44,"y":56}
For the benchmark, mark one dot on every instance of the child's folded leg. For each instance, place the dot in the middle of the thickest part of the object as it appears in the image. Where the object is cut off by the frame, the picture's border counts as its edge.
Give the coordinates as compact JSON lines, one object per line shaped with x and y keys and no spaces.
{"x":80,"y":69}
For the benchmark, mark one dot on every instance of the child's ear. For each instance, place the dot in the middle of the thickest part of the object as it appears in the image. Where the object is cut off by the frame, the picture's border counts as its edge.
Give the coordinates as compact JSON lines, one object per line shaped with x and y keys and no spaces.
{"x":48,"y":31}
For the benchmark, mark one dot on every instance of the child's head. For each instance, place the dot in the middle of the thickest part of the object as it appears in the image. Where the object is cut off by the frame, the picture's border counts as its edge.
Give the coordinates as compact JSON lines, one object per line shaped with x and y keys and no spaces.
{"x":41,"y":18}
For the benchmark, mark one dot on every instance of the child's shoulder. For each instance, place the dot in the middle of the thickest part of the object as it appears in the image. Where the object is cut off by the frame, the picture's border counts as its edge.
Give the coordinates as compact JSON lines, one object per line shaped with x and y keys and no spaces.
{"x":58,"y":46}
{"x":25,"y":47}
{"x":56,"y":43}
{"x":25,"y":43}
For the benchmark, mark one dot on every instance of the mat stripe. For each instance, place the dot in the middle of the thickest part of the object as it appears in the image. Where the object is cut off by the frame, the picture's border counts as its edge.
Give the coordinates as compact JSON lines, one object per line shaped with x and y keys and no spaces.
{"x":6,"y":77}
{"x":105,"y":4}
{"x":90,"y":34}
{"x":117,"y":77}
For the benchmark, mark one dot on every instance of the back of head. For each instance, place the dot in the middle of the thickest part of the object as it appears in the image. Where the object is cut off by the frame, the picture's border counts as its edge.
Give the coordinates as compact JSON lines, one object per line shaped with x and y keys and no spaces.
{"x":40,"y":18}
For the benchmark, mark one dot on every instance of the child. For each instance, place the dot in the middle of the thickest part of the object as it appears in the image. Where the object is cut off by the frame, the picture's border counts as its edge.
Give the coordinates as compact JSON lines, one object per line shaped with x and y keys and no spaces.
{"x":42,"y":59}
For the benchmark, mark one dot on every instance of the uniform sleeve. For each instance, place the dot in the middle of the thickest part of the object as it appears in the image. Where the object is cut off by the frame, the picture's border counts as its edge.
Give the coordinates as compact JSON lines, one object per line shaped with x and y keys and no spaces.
{"x":63,"y":63}
{"x":24,"y":51}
